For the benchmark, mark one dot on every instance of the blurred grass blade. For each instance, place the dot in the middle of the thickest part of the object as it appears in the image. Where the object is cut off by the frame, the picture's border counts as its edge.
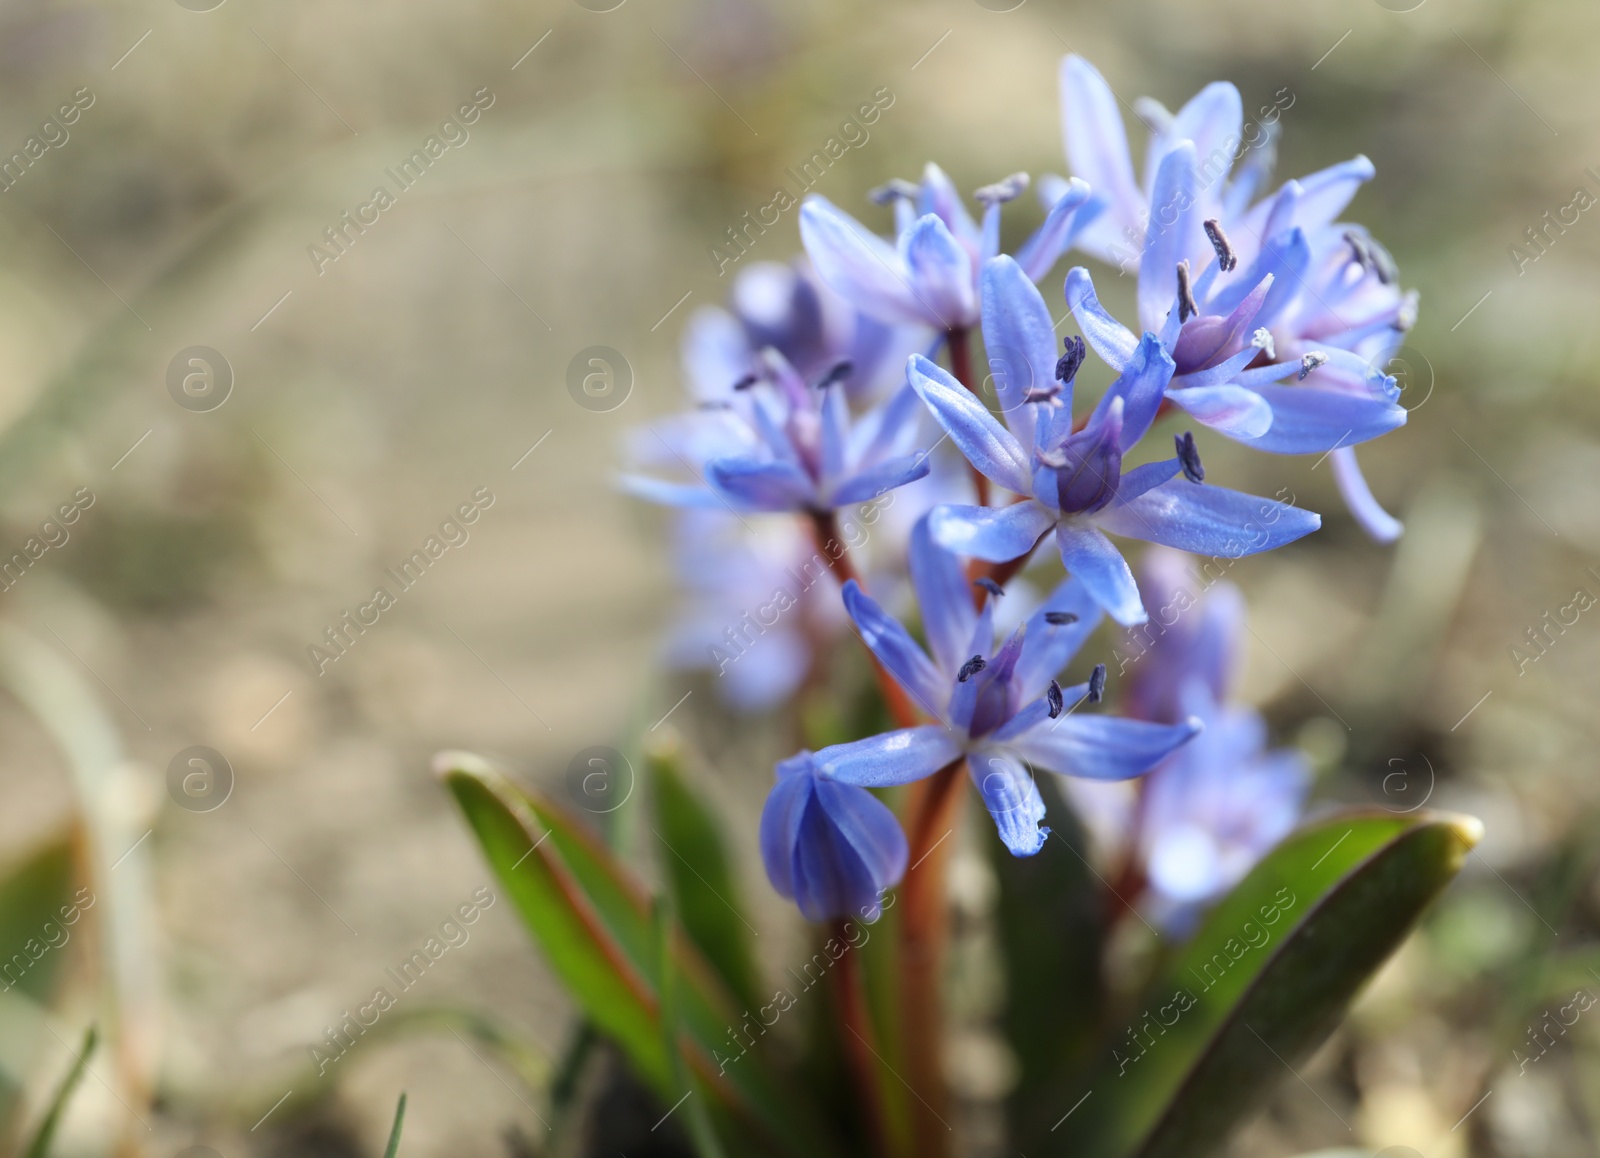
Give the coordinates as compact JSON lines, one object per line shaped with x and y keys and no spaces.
{"x":393,"y":1147}
{"x":35,"y":899}
{"x":594,"y":923}
{"x":40,"y":1146}
{"x":701,"y":1134}
{"x":394,"y":1133}
{"x":699,"y":875}
{"x":1262,"y":984}
{"x":1049,"y":918}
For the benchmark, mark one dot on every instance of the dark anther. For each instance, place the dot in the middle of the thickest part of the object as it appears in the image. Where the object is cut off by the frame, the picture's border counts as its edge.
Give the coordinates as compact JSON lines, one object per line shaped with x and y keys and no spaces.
{"x":1311,"y":362}
{"x":1383,"y":261}
{"x":1067,"y":365}
{"x":1059,"y":618}
{"x":1186,"y":307}
{"x":971,"y":668}
{"x":1097,"y":683}
{"x":1052,"y":697}
{"x":990,"y":586}
{"x":1226,"y":258}
{"x":840,"y":371}
{"x":1050,"y":394}
{"x":892,"y":191}
{"x":1189,"y":457}
{"x":1360,"y":254}
{"x":747,"y":381}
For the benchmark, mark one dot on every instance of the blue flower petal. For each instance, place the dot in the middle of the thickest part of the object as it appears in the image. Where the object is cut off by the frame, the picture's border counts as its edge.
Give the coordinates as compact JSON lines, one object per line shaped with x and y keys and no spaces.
{"x":1374,"y":520}
{"x":1231,"y":410}
{"x":1020,"y":340}
{"x":1214,"y":120}
{"x":867,"y":826}
{"x":761,"y":486}
{"x":1097,"y":150}
{"x":1306,"y":420}
{"x":1094,"y":561}
{"x":1101,"y":747}
{"x":987,"y":445}
{"x":945,"y":597}
{"x":1049,"y":647}
{"x":1141,"y":386}
{"x":1012,"y":798}
{"x":895,"y":649}
{"x":1208,"y":520}
{"x":672,"y":494}
{"x":882,"y":478}
{"x":1113,"y":341}
{"x":715,"y":353}
{"x":858,"y":265}
{"x":892,"y":758}
{"x":1067,"y":216}
{"x":993,"y":534}
{"x":941,"y":273}
{"x":1171,"y":235}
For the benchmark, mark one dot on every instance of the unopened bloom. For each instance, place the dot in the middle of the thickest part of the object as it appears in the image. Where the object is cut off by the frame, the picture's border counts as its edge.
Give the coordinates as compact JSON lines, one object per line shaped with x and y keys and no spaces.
{"x":832,"y":848}
{"x":929,"y":275}
{"x":1244,"y":296}
{"x":999,"y":706}
{"x":1073,"y":482}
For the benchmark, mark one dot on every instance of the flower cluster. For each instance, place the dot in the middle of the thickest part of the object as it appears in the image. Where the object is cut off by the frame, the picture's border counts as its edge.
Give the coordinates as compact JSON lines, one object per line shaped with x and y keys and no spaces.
{"x":821,"y":388}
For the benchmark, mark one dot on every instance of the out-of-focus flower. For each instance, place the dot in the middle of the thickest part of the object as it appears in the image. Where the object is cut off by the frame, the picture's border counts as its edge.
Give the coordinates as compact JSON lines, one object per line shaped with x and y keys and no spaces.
{"x":832,"y":848}
{"x":789,"y":309}
{"x":929,"y":275}
{"x":1000,"y":707}
{"x":1213,"y":808}
{"x":760,"y":601}
{"x":1244,"y":296}
{"x":1074,"y":482}
{"x":779,"y":443}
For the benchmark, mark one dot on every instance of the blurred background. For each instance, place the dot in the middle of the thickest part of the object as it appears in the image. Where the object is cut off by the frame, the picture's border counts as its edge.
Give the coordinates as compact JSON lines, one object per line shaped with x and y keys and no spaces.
{"x":352,"y":395}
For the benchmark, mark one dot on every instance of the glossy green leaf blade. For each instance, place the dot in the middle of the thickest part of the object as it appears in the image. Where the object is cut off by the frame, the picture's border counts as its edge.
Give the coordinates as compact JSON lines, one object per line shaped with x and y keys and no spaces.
{"x":561,"y":918}
{"x":1262,"y":984}
{"x":700,"y":879}
{"x":46,"y":1133}
{"x":1049,"y":923}
{"x":393,"y":1147}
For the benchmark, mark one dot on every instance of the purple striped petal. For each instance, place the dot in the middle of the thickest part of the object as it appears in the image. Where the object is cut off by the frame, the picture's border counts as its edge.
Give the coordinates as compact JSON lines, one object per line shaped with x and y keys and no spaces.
{"x":1020,"y":340}
{"x":941,"y":273}
{"x":1049,"y":647}
{"x":944,"y":595}
{"x":1113,"y":341}
{"x":1012,"y":798}
{"x":1306,"y":420}
{"x":1069,"y":214}
{"x":858,"y":265}
{"x":882,"y":478}
{"x":1094,"y":561}
{"x":892,"y":758}
{"x":1374,"y":520}
{"x":761,"y":486}
{"x":1097,"y":150}
{"x":1231,"y":410}
{"x":987,"y":445}
{"x":1102,"y":747}
{"x":993,"y":534}
{"x":896,"y":650}
{"x":1208,"y":520}
{"x":1170,"y":236}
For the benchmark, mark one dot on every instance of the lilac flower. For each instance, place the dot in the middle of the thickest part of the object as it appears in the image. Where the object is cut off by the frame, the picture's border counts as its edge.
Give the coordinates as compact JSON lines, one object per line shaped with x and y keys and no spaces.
{"x":929,"y":276}
{"x":1244,"y":297}
{"x":832,"y":848}
{"x":788,"y":308}
{"x":1074,"y":482}
{"x":1212,"y":809}
{"x":998,"y":706}
{"x":777,"y":443}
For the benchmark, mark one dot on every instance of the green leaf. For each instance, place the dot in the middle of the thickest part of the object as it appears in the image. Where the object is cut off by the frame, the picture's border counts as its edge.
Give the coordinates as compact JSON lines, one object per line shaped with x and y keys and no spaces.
{"x":1262,"y":984}
{"x":393,"y":1147}
{"x":701,"y":1134}
{"x":1049,"y":918}
{"x":563,"y":919}
{"x":700,"y":879}
{"x":35,"y":900}
{"x":40,"y":1147}
{"x":593,"y":921}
